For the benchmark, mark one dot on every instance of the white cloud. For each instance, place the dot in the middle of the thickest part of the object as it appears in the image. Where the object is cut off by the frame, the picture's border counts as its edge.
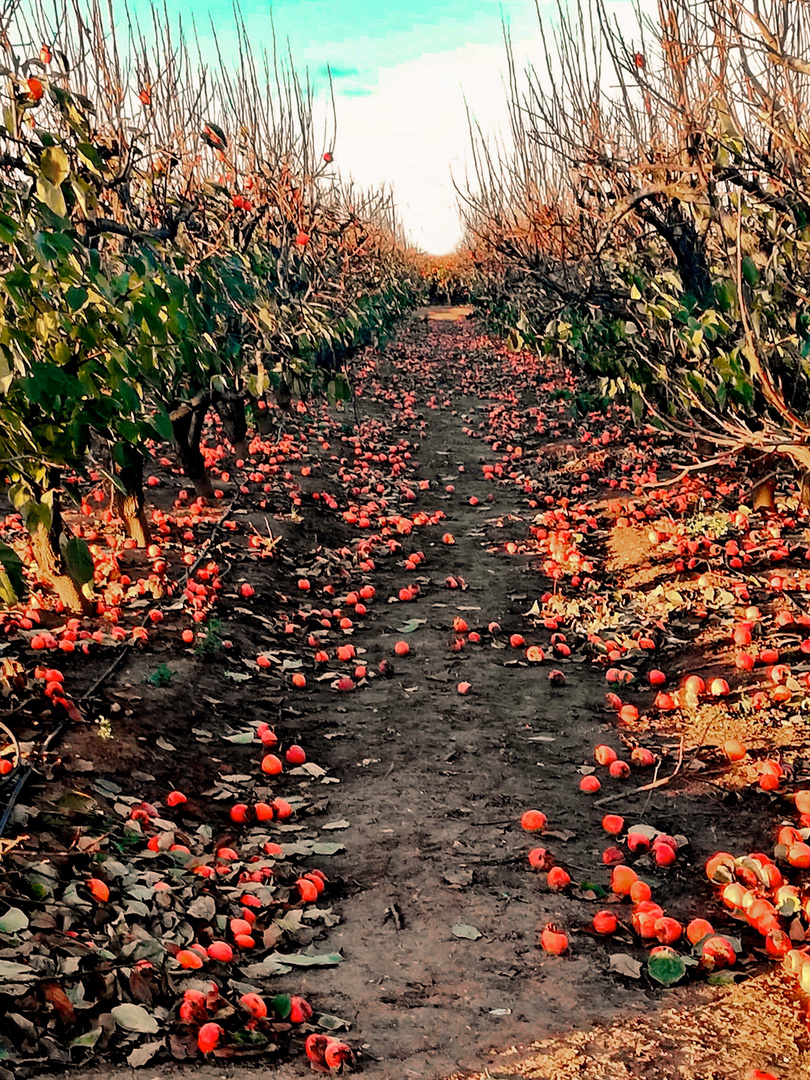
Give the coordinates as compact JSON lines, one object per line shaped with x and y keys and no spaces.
{"x":411,"y":132}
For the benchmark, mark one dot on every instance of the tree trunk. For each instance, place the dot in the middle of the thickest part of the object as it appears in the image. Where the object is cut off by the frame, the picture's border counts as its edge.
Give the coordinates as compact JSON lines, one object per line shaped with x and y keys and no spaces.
{"x":687,"y":246}
{"x":264,"y":422}
{"x":51,"y":566}
{"x":231,"y":411}
{"x":187,"y":433}
{"x":129,"y":504}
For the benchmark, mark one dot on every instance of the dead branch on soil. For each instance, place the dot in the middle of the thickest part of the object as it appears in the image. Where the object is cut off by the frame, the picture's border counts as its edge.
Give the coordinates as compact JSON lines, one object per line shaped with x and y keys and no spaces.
{"x":653,"y":784}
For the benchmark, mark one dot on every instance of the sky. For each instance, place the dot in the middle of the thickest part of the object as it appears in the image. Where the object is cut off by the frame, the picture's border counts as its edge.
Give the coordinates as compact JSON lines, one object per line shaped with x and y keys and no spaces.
{"x":401,"y":71}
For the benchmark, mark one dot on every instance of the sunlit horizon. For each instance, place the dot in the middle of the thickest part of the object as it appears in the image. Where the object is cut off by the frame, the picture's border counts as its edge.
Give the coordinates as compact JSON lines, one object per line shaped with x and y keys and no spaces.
{"x":405,"y":75}
{"x":400,"y":73}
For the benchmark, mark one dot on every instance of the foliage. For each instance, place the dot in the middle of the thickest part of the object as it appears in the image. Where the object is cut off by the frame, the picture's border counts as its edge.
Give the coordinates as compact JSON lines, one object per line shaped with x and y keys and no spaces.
{"x":446,"y":279}
{"x":166,"y":245}
{"x":651,"y":220}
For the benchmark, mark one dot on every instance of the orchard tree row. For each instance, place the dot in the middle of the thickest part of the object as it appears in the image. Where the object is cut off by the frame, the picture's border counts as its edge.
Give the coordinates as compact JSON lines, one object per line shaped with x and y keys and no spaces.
{"x":649,"y":216}
{"x":173,"y":240}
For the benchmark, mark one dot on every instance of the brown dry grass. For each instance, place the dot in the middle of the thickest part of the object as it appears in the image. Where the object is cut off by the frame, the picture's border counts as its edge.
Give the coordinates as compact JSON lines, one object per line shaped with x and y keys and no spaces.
{"x":717,"y":1035}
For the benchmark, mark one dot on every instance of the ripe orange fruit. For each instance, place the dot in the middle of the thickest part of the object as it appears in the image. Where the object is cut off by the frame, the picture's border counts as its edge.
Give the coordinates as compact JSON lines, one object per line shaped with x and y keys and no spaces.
{"x":98,"y":889}
{"x":208,"y":1037}
{"x":605,"y":922}
{"x":307,"y":890}
{"x":558,"y":879}
{"x":533,"y":820}
{"x":254,"y":1005}
{"x":799,"y":855}
{"x":622,"y":880}
{"x":188,"y":958}
{"x":698,"y":929}
{"x":300,"y":1010}
{"x":642,"y":757}
{"x":717,"y":952}
{"x":613,"y":824}
{"x":734,"y":750}
{"x":719,"y":688}
{"x":640,"y":891}
{"x":605,"y":755}
{"x":220,"y":950}
{"x":402,"y":648}
{"x":540,"y":858}
{"x":663,"y":854}
{"x":553,"y":941}
{"x":272,"y":765}
{"x":668,"y":931}
{"x":590,"y":785}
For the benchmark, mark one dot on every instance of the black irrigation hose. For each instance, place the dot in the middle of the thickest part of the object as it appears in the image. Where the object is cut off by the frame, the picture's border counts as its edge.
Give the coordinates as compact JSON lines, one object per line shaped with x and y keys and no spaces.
{"x":60,"y":729}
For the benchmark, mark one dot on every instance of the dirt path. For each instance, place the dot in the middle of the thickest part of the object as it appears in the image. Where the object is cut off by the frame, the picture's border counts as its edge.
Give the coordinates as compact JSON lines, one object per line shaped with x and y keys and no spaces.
{"x":433,"y":782}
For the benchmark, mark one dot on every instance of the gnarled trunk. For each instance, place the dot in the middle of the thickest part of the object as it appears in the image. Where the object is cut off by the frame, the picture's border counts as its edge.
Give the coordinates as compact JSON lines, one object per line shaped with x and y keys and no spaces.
{"x":45,"y":542}
{"x":264,"y":422}
{"x":686,"y":244}
{"x":187,"y":424}
{"x":129,"y":503}
{"x":231,"y":411}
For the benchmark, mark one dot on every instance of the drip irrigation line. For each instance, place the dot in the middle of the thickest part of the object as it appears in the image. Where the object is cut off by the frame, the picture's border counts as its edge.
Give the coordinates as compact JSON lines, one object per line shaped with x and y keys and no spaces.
{"x":125,"y":650}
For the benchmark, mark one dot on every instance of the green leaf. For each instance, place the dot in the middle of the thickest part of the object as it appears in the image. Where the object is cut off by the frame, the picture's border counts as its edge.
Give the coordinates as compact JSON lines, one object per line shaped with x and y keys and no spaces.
{"x":592,"y":887}
{"x":76,"y":297}
{"x":134,"y":1018}
{"x":89,"y":155}
{"x":12,"y":921}
{"x":8,"y":229}
{"x":749,"y":271}
{"x":78,"y":559}
{"x":722,"y":978}
{"x":242,"y":738}
{"x":88,"y":1040}
{"x":327,"y":849}
{"x":54,"y":165}
{"x":281,"y":1005}
{"x":52,"y":197}
{"x":163,"y":425}
{"x":411,"y":625}
{"x":38,"y":515}
{"x":666,"y":966}
{"x":332,"y":1023}
{"x":12,"y":582}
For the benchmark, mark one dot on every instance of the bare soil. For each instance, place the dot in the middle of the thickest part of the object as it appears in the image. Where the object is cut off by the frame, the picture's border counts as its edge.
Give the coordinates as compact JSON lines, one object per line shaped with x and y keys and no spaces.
{"x":432,"y":785}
